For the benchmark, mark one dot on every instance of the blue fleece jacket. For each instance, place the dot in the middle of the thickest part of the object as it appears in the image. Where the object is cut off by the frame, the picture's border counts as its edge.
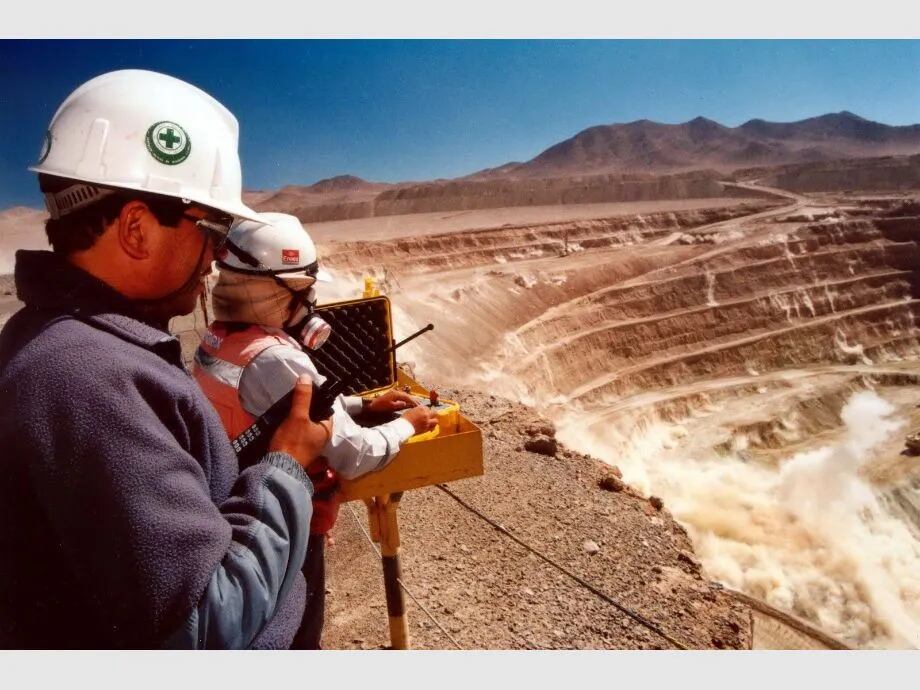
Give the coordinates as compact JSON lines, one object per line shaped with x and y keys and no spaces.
{"x":124,"y":520}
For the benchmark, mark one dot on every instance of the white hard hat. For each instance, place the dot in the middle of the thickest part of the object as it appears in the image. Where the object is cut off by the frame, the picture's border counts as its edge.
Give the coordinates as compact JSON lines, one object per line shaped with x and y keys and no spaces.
{"x":145,"y":131}
{"x":279,"y":243}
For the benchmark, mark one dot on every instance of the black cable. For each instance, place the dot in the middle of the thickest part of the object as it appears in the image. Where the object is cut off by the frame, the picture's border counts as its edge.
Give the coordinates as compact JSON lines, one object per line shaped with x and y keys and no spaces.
{"x":587,"y":585}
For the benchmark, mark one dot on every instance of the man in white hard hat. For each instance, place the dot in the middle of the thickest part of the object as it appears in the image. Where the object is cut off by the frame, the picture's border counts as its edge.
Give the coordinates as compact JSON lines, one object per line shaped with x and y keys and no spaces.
{"x":264,"y":303}
{"x":124,"y":519}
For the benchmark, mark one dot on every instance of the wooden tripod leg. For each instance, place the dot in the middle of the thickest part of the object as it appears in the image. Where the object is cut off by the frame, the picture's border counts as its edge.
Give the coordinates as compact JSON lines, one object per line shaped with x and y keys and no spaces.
{"x":385,"y":530}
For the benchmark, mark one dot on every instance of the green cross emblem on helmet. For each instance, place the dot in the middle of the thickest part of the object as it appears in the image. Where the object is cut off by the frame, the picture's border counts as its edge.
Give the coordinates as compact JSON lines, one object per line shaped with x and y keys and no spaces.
{"x":168,"y":142}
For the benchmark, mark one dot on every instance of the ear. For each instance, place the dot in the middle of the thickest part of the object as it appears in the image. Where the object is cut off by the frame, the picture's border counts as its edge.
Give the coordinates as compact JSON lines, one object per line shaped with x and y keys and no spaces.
{"x":134,"y":229}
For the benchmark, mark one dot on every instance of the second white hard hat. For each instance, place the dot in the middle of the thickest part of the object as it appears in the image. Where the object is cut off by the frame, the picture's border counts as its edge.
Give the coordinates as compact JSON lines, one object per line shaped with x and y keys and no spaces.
{"x":145,"y":131}
{"x":279,"y":243}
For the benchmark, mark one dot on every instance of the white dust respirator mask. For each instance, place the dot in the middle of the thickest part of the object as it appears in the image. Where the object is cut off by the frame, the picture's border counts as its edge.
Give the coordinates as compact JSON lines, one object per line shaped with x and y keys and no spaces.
{"x":305,"y":325}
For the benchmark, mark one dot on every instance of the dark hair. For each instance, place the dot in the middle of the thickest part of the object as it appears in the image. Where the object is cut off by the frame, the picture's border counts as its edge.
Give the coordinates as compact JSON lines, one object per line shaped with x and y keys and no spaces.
{"x":80,"y":229}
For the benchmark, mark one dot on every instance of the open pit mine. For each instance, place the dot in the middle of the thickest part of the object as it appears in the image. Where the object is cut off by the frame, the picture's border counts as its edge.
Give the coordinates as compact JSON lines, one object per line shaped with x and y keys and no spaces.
{"x":753,"y":362}
{"x":734,"y":357}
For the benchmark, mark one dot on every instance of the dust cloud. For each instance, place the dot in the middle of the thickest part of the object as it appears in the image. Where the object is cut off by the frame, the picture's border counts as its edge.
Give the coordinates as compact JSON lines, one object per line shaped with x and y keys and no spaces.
{"x":809,"y":536}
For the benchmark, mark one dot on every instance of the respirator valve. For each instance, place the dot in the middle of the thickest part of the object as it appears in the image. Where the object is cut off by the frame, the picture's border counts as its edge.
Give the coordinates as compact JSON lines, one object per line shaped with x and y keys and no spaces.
{"x":315,"y":333}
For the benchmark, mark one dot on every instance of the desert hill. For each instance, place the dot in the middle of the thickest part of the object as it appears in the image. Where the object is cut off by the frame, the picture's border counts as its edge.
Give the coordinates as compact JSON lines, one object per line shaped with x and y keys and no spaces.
{"x":334,"y":198}
{"x":652,"y":146}
{"x":640,"y":160}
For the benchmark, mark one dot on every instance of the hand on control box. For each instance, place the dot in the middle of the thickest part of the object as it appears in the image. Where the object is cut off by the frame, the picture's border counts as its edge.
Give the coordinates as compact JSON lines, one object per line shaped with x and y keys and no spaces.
{"x":422,"y":419}
{"x":391,"y":401}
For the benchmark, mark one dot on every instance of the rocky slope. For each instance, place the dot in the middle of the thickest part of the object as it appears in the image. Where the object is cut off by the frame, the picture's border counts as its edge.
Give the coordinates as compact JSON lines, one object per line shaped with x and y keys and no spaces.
{"x":490,"y":593}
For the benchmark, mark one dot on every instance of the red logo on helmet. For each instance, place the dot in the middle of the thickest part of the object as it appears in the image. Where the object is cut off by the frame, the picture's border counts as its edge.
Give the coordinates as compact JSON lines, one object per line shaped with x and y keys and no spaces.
{"x":290,"y":256}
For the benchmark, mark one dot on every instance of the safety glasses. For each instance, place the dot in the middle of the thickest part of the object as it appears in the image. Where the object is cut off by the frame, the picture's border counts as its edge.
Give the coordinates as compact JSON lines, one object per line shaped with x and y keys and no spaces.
{"x":217,"y":226}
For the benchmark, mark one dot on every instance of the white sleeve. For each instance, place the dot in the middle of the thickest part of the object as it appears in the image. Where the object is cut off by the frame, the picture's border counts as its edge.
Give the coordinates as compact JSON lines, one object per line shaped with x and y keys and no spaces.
{"x":353,"y":450}
{"x":353,"y":404}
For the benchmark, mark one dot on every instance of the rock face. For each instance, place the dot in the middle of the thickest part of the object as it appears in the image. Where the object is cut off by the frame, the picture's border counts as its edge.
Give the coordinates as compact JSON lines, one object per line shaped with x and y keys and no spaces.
{"x":912,"y":443}
{"x":684,"y":325}
{"x":542,"y":429}
{"x":544,"y":445}
{"x":611,"y":482}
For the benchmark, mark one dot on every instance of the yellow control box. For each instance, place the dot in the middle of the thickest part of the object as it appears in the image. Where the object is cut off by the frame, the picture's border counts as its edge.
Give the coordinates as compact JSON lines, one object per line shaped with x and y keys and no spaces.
{"x":454,"y":453}
{"x":360,"y":352}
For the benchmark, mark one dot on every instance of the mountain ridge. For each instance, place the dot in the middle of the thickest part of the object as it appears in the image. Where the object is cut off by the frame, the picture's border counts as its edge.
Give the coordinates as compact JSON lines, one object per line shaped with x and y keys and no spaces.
{"x":648,"y":146}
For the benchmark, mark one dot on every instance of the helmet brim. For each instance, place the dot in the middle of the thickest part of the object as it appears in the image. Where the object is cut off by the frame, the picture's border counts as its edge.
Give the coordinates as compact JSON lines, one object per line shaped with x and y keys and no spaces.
{"x":236,"y":209}
{"x":240,"y":211}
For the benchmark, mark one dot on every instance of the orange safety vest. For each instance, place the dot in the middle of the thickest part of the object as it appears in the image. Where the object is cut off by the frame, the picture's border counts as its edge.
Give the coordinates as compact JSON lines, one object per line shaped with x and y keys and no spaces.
{"x":219,"y":364}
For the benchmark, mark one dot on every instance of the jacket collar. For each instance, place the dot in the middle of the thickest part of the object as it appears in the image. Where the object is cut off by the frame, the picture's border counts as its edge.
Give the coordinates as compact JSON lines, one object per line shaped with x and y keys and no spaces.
{"x":45,"y":280}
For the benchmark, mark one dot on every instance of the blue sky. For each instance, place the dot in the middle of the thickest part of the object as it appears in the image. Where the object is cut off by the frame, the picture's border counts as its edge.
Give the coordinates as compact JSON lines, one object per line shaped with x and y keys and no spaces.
{"x":413,"y":110}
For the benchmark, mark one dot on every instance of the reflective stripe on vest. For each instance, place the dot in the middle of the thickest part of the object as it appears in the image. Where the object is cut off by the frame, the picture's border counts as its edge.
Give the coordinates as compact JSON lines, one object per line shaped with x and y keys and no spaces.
{"x":220,"y":361}
{"x":225,"y":372}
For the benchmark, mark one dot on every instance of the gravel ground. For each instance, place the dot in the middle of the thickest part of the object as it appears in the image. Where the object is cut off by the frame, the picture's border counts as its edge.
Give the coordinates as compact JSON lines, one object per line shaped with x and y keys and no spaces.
{"x":490,"y":593}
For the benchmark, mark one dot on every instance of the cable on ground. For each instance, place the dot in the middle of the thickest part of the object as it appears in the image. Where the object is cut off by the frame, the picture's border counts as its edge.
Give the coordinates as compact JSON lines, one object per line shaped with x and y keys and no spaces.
{"x":587,"y":585}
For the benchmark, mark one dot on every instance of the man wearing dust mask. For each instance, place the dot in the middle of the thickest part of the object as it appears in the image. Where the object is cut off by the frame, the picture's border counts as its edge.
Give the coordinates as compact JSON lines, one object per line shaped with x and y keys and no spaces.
{"x":264,"y":302}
